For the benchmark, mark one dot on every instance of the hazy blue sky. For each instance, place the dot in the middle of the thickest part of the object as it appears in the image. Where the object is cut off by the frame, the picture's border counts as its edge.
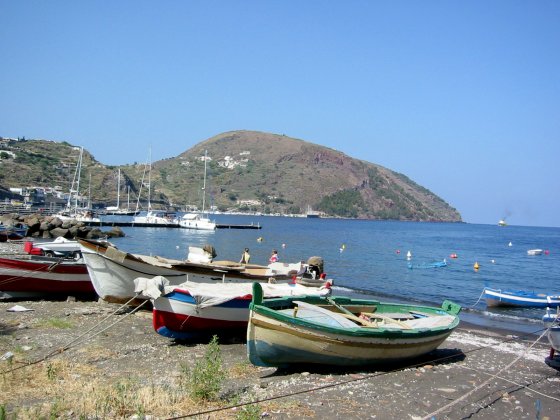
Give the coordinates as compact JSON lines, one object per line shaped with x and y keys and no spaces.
{"x":462,"y":97}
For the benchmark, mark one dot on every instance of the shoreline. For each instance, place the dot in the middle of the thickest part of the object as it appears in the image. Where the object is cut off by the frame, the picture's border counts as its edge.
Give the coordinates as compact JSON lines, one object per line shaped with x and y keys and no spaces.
{"x":129,"y":370}
{"x":132,"y":351}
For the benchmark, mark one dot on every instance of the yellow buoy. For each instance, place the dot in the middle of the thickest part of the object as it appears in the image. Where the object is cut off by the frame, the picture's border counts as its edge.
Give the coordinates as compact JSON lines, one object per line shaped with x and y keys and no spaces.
{"x":476,"y":266}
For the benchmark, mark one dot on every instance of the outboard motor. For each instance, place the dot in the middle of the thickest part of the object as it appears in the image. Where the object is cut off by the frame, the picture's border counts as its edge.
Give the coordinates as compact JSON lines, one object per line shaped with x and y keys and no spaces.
{"x":315,"y":266}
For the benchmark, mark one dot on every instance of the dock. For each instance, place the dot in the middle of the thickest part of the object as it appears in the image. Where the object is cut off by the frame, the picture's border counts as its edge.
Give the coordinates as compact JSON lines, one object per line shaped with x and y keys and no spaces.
{"x":132,"y":224}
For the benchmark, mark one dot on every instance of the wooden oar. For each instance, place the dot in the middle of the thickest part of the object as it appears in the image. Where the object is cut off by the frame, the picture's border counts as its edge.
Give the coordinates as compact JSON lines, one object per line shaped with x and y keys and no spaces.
{"x":388,"y":319}
{"x":350,"y":315}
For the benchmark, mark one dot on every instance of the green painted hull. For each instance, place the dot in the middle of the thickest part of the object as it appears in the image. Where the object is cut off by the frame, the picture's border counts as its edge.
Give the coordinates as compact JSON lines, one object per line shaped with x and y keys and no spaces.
{"x":278,"y":335}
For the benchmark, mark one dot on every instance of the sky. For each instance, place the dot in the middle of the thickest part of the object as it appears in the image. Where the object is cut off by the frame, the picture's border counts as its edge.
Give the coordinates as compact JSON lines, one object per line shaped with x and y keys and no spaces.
{"x":461,"y":97}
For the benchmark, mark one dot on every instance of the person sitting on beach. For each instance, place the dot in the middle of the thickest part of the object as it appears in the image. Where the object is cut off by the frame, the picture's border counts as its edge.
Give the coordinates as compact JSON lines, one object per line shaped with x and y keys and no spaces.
{"x":274,"y":257}
{"x":245,"y":257}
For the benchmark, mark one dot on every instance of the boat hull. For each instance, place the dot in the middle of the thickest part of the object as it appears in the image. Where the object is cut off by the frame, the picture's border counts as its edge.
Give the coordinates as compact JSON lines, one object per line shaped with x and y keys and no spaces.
{"x":113,"y":272}
{"x":275,"y":343}
{"x":28,"y":277}
{"x":177,"y":315}
{"x":518,"y":298}
{"x":342,"y":331}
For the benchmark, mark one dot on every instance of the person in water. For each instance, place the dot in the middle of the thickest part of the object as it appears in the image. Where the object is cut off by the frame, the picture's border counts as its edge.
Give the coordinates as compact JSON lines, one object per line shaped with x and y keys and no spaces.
{"x":245,"y":257}
{"x":274,"y":257}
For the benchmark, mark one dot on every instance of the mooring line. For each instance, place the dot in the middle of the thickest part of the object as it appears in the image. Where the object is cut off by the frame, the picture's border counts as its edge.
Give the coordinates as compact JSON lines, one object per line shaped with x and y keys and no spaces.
{"x":69,"y":344}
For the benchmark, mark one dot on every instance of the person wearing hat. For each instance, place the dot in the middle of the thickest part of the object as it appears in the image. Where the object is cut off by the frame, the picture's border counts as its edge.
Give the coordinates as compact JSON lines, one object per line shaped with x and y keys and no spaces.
{"x":245,"y":257}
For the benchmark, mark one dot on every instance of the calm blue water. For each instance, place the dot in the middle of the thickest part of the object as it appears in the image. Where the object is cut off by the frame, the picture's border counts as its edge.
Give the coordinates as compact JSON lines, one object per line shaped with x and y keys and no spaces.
{"x":371,"y":264}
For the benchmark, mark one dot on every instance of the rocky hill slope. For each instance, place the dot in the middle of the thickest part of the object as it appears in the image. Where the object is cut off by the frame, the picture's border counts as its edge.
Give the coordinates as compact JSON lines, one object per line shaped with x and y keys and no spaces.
{"x":246,"y":170}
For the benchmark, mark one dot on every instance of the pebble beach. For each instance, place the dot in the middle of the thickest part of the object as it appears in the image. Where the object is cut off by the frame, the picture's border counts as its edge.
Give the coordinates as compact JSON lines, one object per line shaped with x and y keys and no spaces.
{"x":91,"y":359}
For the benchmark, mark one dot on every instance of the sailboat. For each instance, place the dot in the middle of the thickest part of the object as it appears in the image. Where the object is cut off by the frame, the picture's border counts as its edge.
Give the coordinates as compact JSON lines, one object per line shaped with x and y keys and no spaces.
{"x":116,"y":210}
{"x":198,"y":220}
{"x":153,"y":217}
{"x":72,"y":211}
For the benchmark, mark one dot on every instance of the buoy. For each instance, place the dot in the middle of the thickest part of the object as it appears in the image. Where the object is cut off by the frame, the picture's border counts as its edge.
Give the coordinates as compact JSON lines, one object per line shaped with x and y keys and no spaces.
{"x":546,"y":252}
{"x":510,"y":244}
{"x":283,"y":245}
{"x":398,"y":251}
{"x":492,"y":261}
{"x":408,"y":255}
{"x":342,"y":247}
{"x":453,"y":255}
{"x":476,"y":266}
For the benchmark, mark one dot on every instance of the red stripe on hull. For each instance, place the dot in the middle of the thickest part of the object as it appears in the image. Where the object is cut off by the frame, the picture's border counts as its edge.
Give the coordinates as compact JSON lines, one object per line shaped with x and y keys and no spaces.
{"x":185,"y":323}
{"x":27,"y":284}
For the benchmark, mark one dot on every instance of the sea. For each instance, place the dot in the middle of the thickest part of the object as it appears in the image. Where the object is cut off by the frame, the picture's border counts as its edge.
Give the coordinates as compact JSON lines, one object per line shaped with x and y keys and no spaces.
{"x":372,"y":259}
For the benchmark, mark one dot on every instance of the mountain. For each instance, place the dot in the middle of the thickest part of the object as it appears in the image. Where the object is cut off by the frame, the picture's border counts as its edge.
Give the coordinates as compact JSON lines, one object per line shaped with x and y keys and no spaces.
{"x":246,"y":170}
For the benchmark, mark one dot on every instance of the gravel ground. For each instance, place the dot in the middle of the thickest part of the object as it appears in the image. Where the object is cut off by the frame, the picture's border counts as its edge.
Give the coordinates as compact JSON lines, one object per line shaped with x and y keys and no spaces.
{"x":476,"y":373}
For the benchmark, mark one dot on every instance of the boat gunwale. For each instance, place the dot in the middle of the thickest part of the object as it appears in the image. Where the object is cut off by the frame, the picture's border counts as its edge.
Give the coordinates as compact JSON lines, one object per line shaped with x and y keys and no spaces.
{"x":264,"y":309}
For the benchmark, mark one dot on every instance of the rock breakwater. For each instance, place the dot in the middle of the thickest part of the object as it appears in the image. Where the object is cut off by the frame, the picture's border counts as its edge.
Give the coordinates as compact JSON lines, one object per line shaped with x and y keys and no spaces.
{"x":49,"y":227}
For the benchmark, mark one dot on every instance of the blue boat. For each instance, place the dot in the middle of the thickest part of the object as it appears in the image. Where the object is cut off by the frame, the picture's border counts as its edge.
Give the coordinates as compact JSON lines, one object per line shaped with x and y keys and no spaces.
{"x":13,"y":232}
{"x":522,"y":298}
{"x":435,"y":264}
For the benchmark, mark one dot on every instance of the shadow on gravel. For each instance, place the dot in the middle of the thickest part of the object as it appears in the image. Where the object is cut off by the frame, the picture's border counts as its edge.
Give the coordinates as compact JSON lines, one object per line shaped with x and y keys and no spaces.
{"x":438,"y":357}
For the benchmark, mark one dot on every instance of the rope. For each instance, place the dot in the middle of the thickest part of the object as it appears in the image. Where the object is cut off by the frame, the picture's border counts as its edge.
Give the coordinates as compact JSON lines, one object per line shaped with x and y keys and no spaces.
{"x":378,"y":374}
{"x":483,"y":384}
{"x":76,"y":340}
{"x":480,"y":297}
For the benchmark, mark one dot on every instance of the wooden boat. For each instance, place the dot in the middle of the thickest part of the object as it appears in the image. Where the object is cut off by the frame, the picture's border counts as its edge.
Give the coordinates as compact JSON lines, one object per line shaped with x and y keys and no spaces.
{"x":551,"y":320}
{"x":113,"y":271}
{"x":193,"y":309}
{"x":35,"y":276}
{"x":498,"y":297}
{"x":343,"y":331}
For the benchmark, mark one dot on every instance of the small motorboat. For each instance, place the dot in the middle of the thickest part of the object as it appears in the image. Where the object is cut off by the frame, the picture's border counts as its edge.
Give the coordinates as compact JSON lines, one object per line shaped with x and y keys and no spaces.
{"x":498,"y":297}
{"x":534,"y":252}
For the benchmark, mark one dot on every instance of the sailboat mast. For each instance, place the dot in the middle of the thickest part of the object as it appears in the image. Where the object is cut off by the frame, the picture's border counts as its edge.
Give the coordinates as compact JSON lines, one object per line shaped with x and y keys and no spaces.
{"x":150,"y":180}
{"x":119,"y":189}
{"x":204,"y":182}
{"x":79,"y":172}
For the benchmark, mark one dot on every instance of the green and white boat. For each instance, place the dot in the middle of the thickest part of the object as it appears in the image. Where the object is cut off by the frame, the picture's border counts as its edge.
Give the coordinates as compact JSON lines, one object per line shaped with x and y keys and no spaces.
{"x":343,"y":331}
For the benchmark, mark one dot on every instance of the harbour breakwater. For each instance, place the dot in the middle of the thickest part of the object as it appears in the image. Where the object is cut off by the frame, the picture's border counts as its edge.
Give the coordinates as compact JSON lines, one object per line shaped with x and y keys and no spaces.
{"x":49,"y":227}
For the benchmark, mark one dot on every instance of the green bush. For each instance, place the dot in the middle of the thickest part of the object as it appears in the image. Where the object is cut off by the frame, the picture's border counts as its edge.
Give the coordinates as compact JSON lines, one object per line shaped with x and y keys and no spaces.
{"x":205,"y":379}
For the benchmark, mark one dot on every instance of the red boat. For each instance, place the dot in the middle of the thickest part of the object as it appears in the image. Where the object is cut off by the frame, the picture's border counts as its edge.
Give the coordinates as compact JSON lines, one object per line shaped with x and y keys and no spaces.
{"x":38,"y":276}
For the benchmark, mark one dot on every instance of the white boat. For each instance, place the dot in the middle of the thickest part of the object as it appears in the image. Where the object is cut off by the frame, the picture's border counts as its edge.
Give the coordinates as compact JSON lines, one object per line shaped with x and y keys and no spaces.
{"x":534,"y":252}
{"x":113,"y":271}
{"x":191,"y":309}
{"x":153,"y":217}
{"x":73,"y":211}
{"x":198,"y":220}
{"x":502,"y":222}
{"x":156,"y":217}
{"x":551,"y":321}
{"x":116,"y":210}
{"x":60,"y":247}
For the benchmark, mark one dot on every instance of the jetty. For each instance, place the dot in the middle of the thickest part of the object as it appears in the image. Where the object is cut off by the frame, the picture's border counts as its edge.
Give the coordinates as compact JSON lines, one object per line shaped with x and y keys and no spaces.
{"x":132,"y":224}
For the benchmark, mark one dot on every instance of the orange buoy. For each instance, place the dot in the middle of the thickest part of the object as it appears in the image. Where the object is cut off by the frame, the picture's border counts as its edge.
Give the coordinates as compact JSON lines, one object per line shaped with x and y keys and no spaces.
{"x":453,"y":255}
